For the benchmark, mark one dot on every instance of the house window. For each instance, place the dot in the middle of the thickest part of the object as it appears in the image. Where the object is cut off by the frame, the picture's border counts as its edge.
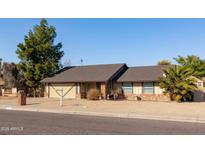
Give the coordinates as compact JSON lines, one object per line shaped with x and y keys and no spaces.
{"x":148,"y":88}
{"x":127,"y":87}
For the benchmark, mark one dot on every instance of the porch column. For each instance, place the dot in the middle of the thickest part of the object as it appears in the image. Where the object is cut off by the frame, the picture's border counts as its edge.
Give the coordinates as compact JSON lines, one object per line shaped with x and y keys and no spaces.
{"x":46,"y":91}
{"x":78,"y":90}
{"x":103,"y":89}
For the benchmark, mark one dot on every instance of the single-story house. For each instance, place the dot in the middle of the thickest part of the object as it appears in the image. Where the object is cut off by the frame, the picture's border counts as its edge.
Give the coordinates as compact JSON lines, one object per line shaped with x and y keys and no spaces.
{"x":136,"y":83}
{"x":76,"y":81}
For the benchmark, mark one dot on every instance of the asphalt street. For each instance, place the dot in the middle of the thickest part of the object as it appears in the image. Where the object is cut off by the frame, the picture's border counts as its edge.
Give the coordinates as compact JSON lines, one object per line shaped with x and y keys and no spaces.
{"x":34,"y":123}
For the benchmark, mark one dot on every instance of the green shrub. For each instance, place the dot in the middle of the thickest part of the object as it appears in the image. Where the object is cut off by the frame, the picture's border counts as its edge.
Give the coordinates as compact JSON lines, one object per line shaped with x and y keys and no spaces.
{"x":93,"y":94}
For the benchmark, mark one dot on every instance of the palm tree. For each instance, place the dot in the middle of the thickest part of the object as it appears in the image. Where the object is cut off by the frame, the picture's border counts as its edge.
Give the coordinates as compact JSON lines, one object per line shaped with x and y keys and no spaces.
{"x":178,"y":83}
{"x":196,"y":64}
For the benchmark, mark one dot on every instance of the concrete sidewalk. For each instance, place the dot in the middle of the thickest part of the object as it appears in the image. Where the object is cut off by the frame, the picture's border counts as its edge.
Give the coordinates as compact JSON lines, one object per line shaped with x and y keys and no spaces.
{"x":186,"y":112}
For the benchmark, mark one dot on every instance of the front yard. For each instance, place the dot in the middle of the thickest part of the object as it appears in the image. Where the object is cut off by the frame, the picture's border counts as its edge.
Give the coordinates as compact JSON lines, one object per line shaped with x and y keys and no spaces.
{"x":140,"y":108}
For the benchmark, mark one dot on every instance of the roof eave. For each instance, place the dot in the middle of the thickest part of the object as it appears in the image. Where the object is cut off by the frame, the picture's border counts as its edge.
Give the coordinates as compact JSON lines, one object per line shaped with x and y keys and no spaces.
{"x":73,"y":81}
{"x":138,"y":81}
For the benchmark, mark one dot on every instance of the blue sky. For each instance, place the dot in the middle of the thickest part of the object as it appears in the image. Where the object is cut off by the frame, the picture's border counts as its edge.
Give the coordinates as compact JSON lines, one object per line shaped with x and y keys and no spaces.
{"x":98,"y":41}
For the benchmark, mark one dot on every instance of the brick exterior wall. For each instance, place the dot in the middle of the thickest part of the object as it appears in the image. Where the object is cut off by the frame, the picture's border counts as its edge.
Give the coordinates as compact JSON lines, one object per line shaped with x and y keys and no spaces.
{"x":148,"y":97}
{"x":103,"y":90}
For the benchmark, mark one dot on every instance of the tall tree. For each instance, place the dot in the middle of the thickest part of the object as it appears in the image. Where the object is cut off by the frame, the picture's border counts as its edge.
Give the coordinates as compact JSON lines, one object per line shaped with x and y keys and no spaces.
{"x":164,"y":62}
{"x":178,"y":83}
{"x":39,"y":56}
{"x":193,"y":62}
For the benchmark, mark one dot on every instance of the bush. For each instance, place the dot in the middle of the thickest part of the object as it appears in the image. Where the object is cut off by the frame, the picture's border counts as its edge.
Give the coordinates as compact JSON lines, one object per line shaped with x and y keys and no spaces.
{"x":117,"y":93}
{"x":93,"y":94}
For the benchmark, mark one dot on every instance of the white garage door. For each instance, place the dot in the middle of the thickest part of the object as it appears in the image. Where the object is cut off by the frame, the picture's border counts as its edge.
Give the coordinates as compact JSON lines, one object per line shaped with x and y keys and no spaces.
{"x":69,"y":90}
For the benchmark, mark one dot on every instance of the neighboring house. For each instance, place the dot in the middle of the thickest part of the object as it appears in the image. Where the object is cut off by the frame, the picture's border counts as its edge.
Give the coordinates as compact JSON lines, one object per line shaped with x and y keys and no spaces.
{"x":199,"y":82}
{"x":1,"y":86}
{"x":199,"y":93}
{"x":7,"y":92}
{"x":78,"y":80}
{"x":142,"y":83}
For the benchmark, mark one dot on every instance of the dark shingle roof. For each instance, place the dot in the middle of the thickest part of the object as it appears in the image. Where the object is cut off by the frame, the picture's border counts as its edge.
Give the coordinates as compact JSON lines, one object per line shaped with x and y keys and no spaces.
{"x":143,"y":73}
{"x":89,"y":73}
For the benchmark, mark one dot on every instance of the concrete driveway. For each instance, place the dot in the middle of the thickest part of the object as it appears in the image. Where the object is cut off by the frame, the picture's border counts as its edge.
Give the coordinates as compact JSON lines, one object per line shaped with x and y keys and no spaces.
{"x":193,"y":112}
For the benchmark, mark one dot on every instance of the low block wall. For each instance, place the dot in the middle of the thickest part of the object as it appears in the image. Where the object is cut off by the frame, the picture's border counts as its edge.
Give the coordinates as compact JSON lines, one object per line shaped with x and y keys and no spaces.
{"x":148,"y":97}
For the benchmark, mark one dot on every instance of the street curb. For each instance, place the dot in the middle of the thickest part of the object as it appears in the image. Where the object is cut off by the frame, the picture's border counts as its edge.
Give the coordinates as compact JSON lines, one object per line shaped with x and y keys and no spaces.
{"x":117,"y":115}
